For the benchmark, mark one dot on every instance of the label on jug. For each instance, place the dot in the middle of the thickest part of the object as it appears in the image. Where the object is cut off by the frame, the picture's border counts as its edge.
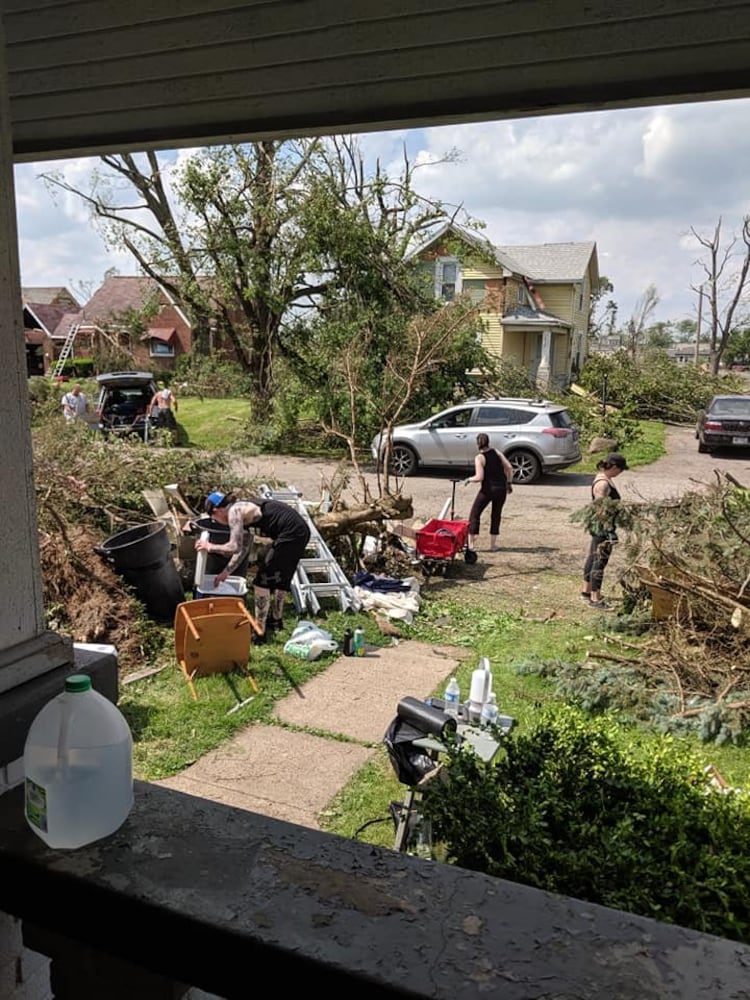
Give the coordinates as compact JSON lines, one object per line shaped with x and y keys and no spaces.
{"x":36,"y":805}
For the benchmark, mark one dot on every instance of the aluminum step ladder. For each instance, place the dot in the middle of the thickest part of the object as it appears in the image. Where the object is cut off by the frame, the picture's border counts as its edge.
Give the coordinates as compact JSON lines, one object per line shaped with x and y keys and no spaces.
{"x":59,"y":366}
{"x":318,"y":574}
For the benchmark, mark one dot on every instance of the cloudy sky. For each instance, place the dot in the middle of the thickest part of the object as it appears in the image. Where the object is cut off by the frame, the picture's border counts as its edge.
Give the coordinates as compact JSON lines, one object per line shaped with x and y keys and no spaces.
{"x":635,"y":181}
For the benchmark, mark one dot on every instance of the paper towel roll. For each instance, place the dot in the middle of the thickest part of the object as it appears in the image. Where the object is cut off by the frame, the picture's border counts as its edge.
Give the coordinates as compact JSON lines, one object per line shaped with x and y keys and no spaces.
{"x":422,"y":716}
{"x":200,"y":561}
{"x":481,"y":681}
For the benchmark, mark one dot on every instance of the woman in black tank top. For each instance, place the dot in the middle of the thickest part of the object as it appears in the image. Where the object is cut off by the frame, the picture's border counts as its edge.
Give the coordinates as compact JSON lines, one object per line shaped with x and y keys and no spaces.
{"x":495,"y":473}
{"x":600,"y":549}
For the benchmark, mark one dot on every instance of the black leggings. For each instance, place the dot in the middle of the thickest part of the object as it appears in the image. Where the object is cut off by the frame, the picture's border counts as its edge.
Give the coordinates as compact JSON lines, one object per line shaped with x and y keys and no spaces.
{"x":281,"y":561}
{"x":596,"y":561}
{"x":497,"y":499}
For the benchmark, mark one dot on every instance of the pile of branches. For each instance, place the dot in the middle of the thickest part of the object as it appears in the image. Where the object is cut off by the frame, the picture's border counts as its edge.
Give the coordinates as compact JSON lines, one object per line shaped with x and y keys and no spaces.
{"x":689,"y":570}
{"x":87,"y":600}
{"x":697,"y":549}
{"x":86,"y":490}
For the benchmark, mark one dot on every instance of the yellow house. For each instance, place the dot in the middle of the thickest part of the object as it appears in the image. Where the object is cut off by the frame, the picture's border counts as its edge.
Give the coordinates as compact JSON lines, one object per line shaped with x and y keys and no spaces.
{"x":533,"y":300}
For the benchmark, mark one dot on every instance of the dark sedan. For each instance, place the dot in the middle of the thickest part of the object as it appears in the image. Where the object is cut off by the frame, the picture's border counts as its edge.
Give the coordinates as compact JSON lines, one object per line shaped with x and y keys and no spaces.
{"x":725,"y":423}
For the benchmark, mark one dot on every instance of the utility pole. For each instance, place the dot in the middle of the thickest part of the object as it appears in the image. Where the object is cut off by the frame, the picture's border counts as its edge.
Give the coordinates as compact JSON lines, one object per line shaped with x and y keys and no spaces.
{"x":698,"y":325}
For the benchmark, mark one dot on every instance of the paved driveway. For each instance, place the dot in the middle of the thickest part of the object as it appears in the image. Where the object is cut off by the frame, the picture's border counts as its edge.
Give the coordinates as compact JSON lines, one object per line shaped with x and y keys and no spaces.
{"x":539,"y":544}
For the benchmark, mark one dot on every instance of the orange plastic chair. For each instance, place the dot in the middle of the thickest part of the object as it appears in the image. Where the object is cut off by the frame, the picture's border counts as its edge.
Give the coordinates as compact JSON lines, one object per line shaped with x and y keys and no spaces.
{"x":213,"y":635}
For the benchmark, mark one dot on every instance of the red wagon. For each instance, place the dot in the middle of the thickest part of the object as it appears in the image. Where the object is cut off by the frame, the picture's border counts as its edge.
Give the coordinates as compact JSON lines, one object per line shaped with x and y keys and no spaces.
{"x":440,"y":541}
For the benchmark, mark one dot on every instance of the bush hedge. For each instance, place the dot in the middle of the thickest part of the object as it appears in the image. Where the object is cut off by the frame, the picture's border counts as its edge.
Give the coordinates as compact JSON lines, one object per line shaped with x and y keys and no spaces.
{"x":572,"y":809}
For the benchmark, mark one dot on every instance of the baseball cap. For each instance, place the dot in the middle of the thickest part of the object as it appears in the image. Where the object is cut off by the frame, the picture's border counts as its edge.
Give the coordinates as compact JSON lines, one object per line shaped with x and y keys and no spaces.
{"x":213,"y":500}
{"x":615,"y":458}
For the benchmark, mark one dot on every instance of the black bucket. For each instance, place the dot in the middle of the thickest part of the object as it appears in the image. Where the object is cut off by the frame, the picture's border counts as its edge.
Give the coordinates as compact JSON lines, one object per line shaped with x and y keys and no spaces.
{"x":143,"y":557}
{"x":218,"y":534}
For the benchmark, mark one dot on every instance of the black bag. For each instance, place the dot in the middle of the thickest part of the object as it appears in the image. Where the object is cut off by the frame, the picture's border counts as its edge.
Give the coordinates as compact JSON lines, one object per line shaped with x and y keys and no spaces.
{"x":414,"y":721}
{"x":410,"y":763}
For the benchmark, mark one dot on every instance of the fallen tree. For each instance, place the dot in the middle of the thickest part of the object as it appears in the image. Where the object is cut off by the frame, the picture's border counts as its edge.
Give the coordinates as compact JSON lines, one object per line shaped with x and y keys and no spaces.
{"x":689,"y":574}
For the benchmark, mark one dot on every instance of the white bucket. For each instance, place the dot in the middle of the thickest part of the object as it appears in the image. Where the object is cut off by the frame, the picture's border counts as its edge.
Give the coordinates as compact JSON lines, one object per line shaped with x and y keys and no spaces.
{"x":233,"y":586}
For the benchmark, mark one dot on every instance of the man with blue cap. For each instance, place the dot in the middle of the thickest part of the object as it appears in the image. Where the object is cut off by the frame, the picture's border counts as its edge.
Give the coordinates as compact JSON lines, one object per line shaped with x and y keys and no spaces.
{"x":272,"y":519}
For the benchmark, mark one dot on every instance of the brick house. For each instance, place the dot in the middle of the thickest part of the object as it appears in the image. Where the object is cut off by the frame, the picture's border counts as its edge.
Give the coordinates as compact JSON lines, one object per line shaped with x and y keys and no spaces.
{"x":135,"y":315}
{"x":46,"y":312}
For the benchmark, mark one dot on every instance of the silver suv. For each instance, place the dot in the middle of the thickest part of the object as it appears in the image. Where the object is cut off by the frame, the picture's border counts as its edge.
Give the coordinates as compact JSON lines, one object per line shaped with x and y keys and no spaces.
{"x":537,"y":436}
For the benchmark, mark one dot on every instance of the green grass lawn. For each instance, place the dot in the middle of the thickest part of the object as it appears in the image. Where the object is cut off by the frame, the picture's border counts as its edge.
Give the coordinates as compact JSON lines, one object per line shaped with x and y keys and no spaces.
{"x":211,"y":424}
{"x":509,"y":642}
{"x":646,"y":450}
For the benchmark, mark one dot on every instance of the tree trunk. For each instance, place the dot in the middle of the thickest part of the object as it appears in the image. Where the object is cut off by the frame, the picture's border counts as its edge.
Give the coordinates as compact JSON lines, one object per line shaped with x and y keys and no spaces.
{"x":342,"y":522}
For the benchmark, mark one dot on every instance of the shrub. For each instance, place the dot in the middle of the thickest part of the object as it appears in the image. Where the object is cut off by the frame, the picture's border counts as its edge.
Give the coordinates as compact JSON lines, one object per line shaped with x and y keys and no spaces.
{"x":619,"y":425}
{"x":506,"y":378}
{"x":570,"y":809}
{"x":79,"y":367}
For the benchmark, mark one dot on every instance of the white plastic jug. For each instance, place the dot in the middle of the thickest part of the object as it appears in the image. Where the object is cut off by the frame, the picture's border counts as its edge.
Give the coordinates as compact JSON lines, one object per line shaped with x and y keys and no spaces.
{"x":481,"y":685}
{"x":78,"y":767}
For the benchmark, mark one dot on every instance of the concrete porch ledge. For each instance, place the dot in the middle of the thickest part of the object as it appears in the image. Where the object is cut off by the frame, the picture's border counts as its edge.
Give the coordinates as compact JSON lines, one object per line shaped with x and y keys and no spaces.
{"x":217,"y":897}
{"x":20,"y":704}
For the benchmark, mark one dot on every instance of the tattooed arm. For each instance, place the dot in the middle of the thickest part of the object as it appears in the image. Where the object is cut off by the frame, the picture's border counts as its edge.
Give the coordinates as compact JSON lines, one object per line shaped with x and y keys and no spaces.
{"x":234,"y":546}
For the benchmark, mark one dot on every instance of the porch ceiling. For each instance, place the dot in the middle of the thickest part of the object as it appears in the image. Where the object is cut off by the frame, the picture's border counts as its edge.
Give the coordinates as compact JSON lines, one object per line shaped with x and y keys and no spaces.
{"x":86,"y":76}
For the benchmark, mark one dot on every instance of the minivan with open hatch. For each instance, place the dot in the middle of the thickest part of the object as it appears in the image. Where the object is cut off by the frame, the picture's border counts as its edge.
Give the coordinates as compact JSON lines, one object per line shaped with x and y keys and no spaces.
{"x":123,"y":403}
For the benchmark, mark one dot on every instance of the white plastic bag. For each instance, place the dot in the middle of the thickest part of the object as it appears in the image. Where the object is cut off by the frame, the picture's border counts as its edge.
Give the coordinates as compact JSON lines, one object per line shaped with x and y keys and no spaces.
{"x":308,"y":642}
{"x":310,"y":648}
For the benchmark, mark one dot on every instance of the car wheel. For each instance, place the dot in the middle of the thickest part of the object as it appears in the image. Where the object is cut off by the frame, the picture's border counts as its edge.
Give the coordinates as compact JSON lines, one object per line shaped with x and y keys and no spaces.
{"x":702,"y":448}
{"x":403,"y":460}
{"x":526,"y":467}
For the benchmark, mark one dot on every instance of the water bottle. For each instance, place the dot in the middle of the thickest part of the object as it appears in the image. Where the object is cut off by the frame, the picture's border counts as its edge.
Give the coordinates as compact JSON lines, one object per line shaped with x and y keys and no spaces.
{"x":490,"y":711}
{"x":78,"y":767}
{"x":423,"y":839}
{"x":451,"y":697}
{"x":359,"y":642}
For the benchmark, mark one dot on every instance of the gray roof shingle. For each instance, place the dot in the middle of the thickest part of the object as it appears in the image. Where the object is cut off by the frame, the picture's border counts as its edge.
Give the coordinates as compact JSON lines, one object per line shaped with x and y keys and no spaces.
{"x":551,"y":261}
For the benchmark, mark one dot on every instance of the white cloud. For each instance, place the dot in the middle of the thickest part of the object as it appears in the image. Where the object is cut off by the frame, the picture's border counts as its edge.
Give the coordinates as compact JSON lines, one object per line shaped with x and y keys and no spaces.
{"x":634,"y":181}
{"x":58,"y":245}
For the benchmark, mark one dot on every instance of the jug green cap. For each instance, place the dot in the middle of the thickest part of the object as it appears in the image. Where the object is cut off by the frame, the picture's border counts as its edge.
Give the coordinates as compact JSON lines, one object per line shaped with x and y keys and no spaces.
{"x":77,"y":682}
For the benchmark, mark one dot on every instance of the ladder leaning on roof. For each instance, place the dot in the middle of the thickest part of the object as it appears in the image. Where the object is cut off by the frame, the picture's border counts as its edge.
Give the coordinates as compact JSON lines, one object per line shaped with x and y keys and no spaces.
{"x":59,"y":366}
{"x":318,"y":574}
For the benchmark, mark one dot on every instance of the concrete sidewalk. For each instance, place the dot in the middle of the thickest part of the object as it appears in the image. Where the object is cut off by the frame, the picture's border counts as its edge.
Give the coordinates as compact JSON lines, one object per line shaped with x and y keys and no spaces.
{"x":330,"y":729}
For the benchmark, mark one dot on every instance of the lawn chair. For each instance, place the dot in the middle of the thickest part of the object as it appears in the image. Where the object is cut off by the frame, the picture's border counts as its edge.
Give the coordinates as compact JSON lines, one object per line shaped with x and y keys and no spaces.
{"x":213,"y":635}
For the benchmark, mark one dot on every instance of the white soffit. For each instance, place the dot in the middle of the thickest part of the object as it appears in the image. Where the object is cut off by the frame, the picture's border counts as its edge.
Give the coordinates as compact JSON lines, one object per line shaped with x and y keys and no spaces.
{"x":88,"y":76}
